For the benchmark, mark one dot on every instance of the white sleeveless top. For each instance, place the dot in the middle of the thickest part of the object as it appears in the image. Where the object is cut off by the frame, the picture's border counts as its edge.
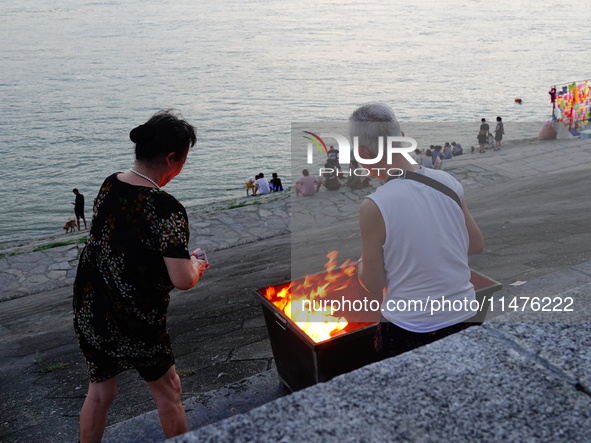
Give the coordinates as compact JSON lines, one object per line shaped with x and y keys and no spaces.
{"x":425,"y":254}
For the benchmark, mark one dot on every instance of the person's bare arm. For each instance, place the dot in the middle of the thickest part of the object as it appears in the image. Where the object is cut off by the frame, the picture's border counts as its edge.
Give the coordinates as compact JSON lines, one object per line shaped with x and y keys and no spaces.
{"x":476,"y":245}
{"x":370,"y":270}
{"x":183,"y":272}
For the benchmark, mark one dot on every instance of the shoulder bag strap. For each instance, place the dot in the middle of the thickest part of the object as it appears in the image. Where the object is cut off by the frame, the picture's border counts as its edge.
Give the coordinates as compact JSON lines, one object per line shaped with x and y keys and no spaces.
{"x":435,"y":184}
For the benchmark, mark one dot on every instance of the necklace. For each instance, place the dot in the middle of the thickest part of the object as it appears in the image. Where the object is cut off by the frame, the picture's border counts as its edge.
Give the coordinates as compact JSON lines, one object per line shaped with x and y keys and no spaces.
{"x":146,"y":177}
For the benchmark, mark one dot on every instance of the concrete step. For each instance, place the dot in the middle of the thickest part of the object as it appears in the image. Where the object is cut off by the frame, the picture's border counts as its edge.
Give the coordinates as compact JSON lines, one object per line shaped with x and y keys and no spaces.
{"x":556,"y":284}
{"x":204,"y":409}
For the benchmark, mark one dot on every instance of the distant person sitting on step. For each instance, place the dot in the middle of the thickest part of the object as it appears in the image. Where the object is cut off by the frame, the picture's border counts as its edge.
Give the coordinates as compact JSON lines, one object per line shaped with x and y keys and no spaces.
{"x":262,"y":184}
{"x":275,"y":183}
{"x":307,"y":185}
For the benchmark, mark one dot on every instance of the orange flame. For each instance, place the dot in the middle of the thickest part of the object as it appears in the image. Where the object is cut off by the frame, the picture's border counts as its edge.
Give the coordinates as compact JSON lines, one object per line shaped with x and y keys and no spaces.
{"x":313,"y":292}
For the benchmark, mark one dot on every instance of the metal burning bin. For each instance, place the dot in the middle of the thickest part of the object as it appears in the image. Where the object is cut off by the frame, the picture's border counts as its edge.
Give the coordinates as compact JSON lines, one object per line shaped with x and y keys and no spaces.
{"x":301,"y":362}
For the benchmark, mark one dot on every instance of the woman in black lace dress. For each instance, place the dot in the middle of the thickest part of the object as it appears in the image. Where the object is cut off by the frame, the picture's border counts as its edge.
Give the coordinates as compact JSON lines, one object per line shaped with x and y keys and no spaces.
{"x":136,"y":253}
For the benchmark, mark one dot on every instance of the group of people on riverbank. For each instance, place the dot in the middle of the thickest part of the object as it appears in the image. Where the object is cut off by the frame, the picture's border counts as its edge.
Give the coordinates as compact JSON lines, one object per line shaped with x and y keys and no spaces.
{"x":259,"y":185}
{"x":486,"y":139}
{"x":333,"y":178}
{"x":433,"y":157}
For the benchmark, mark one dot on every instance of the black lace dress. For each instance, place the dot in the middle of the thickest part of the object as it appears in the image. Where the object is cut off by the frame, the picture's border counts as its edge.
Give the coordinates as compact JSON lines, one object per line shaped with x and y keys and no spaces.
{"x":121,"y":292}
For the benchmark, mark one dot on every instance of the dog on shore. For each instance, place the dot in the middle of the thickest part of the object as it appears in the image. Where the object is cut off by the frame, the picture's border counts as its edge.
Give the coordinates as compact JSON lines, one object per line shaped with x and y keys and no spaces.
{"x":70,"y":226}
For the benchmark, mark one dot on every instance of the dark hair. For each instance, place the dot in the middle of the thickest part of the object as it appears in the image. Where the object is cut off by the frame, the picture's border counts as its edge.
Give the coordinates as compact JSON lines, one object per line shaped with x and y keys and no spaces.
{"x":274,"y":175}
{"x":75,"y":191}
{"x":499,"y":119}
{"x":305,"y":172}
{"x":261,"y":175}
{"x":165,"y":132}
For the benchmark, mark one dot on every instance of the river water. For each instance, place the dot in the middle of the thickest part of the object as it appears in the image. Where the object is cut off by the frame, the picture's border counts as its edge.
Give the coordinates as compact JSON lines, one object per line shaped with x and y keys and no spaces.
{"x":77,"y":76}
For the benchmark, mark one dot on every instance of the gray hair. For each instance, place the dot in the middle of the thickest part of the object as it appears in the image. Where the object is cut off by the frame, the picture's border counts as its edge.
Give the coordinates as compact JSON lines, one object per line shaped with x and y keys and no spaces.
{"x":372,"y":121}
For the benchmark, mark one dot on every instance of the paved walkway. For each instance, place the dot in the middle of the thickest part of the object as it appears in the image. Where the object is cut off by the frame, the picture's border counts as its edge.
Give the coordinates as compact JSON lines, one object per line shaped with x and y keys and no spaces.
{"x":519,"y":197}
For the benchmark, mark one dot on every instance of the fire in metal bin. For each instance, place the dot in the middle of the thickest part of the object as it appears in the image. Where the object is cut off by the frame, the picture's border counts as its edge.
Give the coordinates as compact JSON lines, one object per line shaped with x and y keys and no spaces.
{"x":312,"y":345}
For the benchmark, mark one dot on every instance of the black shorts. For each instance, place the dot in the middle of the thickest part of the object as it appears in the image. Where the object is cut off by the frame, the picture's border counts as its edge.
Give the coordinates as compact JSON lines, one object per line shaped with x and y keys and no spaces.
{"x":391,"y":340}
{"x":79,"y":213}
{"x":102,"y":366}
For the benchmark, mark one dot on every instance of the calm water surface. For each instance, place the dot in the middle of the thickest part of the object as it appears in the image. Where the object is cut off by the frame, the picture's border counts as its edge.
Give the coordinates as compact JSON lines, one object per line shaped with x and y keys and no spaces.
{"x":78,"y":75}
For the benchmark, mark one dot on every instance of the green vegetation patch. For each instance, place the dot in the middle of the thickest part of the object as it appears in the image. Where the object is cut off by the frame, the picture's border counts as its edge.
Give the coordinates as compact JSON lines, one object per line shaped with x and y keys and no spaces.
{"x":12,"y":254}
{"x":53,"y":245}
{"x":53,"y":367}
{"x":239,"y":205}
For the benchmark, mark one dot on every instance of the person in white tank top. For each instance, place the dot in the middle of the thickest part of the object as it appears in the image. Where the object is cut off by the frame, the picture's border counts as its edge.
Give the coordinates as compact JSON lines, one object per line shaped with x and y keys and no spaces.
{"x":424,"y":279}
